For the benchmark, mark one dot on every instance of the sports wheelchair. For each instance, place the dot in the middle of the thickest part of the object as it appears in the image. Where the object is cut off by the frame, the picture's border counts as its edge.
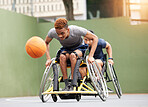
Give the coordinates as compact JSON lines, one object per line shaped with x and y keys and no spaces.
{"x":94,"y":83}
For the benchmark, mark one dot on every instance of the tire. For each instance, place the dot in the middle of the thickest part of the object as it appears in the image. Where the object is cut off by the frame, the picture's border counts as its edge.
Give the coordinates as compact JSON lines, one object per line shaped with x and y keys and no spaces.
{"x":98,"y":80}
{"x":78,"y":97}
{"x":46,"y":83}
{"x":54,"y":97}
{"x":115,"y":80}
{"x":102,"y":80}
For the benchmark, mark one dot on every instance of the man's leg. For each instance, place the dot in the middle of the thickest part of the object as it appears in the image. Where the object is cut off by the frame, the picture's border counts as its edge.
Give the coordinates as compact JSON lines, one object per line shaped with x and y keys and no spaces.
{"x":82,"y":71}
{"x":73,"y":60}
{"x":63,"y":65}
{"x":100,"y":63}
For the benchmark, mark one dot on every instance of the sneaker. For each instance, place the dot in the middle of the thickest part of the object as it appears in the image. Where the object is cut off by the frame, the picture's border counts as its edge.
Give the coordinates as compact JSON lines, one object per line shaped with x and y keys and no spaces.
{"x":71,"y":88}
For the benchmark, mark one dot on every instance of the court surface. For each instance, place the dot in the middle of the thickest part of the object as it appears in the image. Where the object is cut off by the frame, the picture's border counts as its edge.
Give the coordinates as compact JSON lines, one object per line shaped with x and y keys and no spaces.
{"x":127,"y":100}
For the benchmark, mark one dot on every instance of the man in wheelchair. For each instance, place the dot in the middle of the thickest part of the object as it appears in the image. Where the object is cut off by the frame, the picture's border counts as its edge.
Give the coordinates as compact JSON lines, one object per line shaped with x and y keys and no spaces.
{"x":73,"y":46}
{"x":98,"y":55}
{"x":100,"y":59}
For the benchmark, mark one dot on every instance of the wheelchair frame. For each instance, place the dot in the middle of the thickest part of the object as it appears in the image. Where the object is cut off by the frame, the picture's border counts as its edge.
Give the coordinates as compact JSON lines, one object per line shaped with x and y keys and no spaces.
{"x":50,"y":83}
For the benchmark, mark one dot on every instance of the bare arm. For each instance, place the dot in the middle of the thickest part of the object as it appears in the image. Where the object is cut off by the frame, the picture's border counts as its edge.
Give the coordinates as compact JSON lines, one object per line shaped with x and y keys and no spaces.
{"x":47,"y":41}
{"x":94,"y":38}
{"x":109,"y":52}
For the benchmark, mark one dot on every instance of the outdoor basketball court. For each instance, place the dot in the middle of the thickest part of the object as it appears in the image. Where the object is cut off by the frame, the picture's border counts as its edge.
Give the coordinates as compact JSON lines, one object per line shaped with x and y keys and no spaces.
{"x":127,"y":100}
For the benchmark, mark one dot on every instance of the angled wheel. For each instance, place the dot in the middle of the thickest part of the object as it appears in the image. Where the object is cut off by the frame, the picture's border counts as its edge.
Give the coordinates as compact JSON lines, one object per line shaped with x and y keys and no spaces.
{"x":98,"y":80}
{"x":115,"y":80}
{"x":46,"y":83}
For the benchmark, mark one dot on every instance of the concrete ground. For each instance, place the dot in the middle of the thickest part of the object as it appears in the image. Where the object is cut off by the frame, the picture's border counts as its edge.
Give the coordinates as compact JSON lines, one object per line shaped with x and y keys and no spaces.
{"x":127,"y":100}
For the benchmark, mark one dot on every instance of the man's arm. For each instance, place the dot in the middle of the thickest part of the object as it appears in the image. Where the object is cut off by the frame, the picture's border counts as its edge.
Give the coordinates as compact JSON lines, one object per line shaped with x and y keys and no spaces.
{"x":109,"y":52}
{"x":94,"y":38}
{"x":47,"y":41}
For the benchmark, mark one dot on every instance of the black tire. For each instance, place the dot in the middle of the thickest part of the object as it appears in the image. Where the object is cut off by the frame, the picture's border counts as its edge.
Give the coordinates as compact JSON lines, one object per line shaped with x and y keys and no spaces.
{"x":54,"y":97}
{"x":46,"y":83}
{"x":55,"y":80}
{"x":78,"y":97}
{"x":115,"y":80}
{"x":97,"y":80}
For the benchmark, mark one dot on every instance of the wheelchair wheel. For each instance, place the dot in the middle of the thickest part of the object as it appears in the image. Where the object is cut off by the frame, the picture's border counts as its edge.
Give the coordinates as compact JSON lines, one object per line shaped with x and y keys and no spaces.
{"x":54,"y":97}
{"x":115,"y":80}
{"x":98,"y":80}
{"x":46,"y":83}
{"x":78,"y":97}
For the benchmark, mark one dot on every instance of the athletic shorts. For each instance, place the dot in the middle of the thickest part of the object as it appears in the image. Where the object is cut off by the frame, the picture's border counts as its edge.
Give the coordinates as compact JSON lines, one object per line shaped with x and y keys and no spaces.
{"x":103,"y":58}
{"x":82,"y":48}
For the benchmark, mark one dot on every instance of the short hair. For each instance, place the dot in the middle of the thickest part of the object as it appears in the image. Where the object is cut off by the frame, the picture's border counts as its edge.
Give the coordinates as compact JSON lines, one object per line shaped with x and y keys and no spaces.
{"x":91,"y":31}
{"x":61,"y":23}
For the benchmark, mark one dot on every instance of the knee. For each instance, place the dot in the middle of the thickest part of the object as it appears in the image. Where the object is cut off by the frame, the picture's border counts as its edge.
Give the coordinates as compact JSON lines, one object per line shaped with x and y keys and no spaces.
{"x":100,"y":63}
{"x":72,"y":56}
{"x":62,"y":57}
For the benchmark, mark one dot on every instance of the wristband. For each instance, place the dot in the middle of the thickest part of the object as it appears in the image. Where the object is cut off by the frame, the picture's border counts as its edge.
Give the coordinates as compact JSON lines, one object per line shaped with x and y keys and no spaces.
{"x":110,"y":58}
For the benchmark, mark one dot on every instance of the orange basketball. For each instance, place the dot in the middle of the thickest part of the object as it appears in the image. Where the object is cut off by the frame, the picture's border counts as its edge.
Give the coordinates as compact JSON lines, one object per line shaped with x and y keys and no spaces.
{"x":35,"y":47}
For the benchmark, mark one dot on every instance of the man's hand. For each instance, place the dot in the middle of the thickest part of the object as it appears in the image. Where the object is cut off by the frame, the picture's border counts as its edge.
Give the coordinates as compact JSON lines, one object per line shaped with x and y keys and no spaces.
{"x":48,"y":62}
{"x":111,"y":61}
{"x":90,"y":59}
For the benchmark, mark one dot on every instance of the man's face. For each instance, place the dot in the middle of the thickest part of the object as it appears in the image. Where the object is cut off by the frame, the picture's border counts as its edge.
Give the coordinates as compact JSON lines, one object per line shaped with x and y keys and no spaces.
{"x":88,"y":41}
{"x":62,"y":33}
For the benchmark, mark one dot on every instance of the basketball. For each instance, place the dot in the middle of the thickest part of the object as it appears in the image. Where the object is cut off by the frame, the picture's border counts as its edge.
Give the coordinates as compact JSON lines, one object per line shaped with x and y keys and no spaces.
{"x":35,"y":47}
